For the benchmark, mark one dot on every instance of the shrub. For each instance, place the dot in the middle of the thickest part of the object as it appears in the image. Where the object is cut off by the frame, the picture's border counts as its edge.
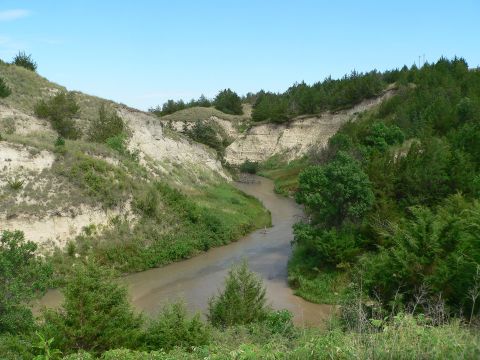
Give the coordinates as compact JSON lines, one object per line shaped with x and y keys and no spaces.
{"x":22,"y":276}
{"x":4,"y":89}
{"x":205,"y":133}
{"x":60,"y":111}
{"x":24,"y":60}
{"x":95,"y":315}
{"x":380,"y":136}
{"x":327,"y":247}
{"x":228,"y":102}
{"x":59,"y":141}
{"x":336,"y":192}
{"x":107,"y":125}
{"x":250,"y":167}
{"x":241,"y":302}
{"x":173,"y":328}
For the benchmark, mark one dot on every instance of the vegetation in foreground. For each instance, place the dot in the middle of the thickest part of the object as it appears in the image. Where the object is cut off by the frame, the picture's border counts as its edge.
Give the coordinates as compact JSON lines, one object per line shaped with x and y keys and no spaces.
{"x":96,"y":322}
{"x":393,"y":199}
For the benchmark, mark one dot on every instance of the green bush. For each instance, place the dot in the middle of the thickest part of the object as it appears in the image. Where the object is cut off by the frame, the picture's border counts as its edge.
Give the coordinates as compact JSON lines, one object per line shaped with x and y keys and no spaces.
{"x":24,"y":60}
{"x":241,"y":302}
{"x":95,"y":315}
{"x":250,"y":167}
{"x":4,"y":89}
{"x":172,"y":328}
{"x":60,"y":111}
{"x":106,"y":126}
{"x":330,"y":247}
{"x":23,"y":276}
{"x":228,"y":102}
{"x":205,"y":133}
{"x":337,"y":192}
{"x":381,"y":136}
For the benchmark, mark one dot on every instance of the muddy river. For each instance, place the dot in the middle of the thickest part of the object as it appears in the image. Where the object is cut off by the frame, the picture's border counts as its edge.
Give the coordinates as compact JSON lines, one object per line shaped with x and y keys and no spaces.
{"x":195,"y":280}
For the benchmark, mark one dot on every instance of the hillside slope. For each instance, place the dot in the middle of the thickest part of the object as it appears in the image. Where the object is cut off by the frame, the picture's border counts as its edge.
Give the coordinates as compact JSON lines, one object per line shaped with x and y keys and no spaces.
{"x":295,"y":138}
{"x":54,"y":193}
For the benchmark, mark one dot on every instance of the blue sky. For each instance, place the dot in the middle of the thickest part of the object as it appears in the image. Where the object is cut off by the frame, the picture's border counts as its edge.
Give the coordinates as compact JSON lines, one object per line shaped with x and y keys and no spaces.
{"x":144,"y":52}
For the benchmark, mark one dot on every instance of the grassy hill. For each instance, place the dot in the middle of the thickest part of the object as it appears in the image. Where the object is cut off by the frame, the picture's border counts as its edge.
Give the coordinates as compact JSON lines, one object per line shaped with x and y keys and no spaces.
{"x":88,"y":199}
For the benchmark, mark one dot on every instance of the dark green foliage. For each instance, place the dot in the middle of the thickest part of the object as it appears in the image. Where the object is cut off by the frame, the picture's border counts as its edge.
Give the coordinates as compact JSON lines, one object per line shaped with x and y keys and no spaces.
{"x":270,"y":107}
{"x":419,"y":151}
{"x":107,"y":125}
{"x":381,"y":136}
{"x":23,"y":275}
{"x":95,"y":316}
{"x":204,"y":133}
{"x":174,"y":328}
{"x":330,"y":94}
{"x":4,"y":89}
{"x":24,"y":60}
{"x":172,"y":106}
{"x":326,"y":248}
{"x":228,"y":102}
{"x":337,"y":192}
{"x":60,"y":111}
{"x":59,"y":142}
{"x":241,"y":302}
{"x":250,"y":167}
{"x":438,"y":250}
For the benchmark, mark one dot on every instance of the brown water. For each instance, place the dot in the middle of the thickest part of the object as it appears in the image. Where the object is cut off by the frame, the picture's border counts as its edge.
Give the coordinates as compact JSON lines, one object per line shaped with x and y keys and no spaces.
{"x":195,"y":280}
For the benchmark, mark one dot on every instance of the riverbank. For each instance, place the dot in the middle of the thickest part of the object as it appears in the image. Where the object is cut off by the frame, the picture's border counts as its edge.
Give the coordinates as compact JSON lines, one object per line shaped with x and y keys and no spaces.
{"x":196,"y":279}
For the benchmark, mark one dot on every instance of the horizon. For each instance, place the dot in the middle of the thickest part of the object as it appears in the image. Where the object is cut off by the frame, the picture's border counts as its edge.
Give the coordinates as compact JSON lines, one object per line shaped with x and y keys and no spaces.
{"x":134,"y":54}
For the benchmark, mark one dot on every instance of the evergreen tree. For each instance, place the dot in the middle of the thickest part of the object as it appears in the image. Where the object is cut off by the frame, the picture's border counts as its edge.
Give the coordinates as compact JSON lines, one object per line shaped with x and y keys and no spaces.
{"x":241,"y":302}
{"x":229,"y":102}
{"x":4,"y":89}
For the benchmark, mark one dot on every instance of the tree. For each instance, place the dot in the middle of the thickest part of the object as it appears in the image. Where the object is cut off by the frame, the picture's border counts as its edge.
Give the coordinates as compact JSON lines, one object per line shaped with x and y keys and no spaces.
{"x":60,"y":111}
{"x":107,"y":125}
{"x":4,"y":89}
{"x":24,"y":60}
{"x":241,"y":302}
{"x":336,"y":192}
{"x":173,"y":328}
{"x":95,"y":316}
{"x":229,"y":102}
{"x":23,"y":275}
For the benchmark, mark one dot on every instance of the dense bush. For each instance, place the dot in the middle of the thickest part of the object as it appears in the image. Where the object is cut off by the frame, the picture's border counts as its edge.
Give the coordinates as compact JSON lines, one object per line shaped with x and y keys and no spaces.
{"x":337,"y":192}
{"x":23,"y":275}
{"x":417,"y":154}
{"x":249,"y":167}
{"x":172,"y":106}
{"x":203,"y":132}
{"x":173,"y":327}
{"x":107,"y":125}
{"x":327,"y":95}
{"x":95,"y":315}
{"x":60,"y":111}
{"x":24,"y":60}
{"x":228,"y":102}
{"x":241,"y":302}
{"x":4,"y":89}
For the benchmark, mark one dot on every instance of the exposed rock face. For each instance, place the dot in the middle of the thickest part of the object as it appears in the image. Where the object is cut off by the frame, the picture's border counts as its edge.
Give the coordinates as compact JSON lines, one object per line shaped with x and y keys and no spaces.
{"x":148,"y":137}
{"x":295,"y":138}
{"x":33,"y":167}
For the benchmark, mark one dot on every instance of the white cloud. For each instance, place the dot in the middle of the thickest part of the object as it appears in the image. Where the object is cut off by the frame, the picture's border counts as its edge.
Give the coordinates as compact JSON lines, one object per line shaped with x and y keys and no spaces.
{"x":13,"y":14}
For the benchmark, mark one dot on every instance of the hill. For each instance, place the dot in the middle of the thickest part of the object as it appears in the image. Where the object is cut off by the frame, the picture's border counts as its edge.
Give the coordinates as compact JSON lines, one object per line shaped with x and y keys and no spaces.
{"x":73,"y":195}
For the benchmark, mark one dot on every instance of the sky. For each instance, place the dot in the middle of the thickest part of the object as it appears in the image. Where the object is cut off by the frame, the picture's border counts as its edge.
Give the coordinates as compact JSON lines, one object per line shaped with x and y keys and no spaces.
{"x":143,"y":52}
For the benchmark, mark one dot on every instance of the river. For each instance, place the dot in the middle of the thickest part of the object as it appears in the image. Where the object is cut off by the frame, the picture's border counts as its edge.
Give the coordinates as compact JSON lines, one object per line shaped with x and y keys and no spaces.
{"x":195,"y":280}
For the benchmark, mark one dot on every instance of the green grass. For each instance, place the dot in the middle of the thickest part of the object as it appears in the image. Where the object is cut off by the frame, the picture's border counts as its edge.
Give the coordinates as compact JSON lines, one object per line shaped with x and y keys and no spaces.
{"x":283,"y":173}
{"x":403,"y":338}
{"x":201,"y":113}
{"x":168,"y":225}
{"x":321,"y":286}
